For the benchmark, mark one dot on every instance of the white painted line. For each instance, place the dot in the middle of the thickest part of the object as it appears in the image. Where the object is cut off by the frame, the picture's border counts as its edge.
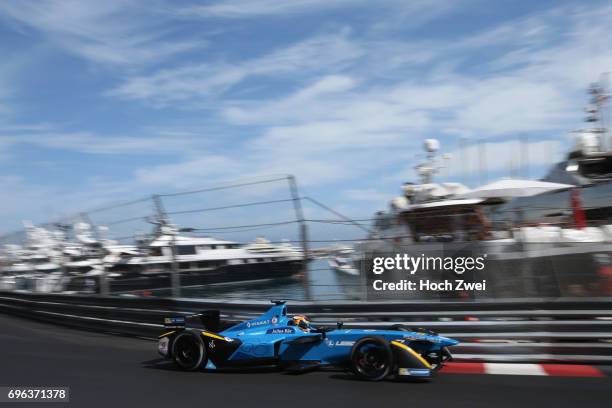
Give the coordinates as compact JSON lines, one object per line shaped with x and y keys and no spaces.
{"x":514,"y":369}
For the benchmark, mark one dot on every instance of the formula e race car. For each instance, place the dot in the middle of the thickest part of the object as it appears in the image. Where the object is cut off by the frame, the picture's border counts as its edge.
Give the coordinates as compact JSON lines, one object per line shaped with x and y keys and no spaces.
{"x":293,"y":344}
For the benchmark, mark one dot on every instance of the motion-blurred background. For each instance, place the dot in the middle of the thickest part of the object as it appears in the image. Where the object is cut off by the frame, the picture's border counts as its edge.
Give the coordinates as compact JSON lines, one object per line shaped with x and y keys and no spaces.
{"x":177,"y":156}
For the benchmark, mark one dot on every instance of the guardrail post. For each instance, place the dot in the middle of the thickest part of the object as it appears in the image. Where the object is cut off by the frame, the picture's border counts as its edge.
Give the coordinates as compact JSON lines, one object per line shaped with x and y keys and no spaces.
{"x":104,"y":286}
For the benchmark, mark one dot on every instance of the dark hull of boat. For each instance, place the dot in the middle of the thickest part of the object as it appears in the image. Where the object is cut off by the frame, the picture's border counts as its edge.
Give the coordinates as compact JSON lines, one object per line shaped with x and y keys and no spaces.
{"x":130,"y":282}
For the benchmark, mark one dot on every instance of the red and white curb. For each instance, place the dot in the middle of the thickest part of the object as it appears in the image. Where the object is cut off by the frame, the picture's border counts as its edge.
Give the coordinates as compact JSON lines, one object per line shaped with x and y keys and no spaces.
{"x":556,"y":370}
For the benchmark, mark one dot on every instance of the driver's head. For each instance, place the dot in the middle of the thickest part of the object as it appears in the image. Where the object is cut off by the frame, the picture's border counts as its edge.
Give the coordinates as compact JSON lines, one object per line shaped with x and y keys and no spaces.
{"x":302,"y":322}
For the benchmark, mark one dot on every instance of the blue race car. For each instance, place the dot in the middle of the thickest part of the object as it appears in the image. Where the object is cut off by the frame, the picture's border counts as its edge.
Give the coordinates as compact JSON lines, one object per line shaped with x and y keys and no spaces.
{"x":293,"y":344}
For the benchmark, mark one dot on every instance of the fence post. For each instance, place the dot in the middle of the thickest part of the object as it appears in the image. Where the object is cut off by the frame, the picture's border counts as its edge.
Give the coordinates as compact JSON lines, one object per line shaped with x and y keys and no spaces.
{"x":299,"y":214}
{"x":175,"y":277}
{"x":158,"y":205}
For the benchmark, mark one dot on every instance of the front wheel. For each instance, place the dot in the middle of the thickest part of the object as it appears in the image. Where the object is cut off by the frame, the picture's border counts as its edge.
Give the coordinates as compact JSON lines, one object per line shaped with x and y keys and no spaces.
{"x":188,"y":351}
{"x":372,"y":358}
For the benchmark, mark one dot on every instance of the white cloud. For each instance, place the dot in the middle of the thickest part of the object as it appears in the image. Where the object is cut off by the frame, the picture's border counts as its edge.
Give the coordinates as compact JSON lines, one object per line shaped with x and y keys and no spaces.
{"x":200,"y":81}
{"x":191,"y":172}
{"x":87,"y":142}
{"x":116,"y":32}
{"x":513,"y":104}
{"x":340,"y":125}
{"x":250,"y":8}
{"x":237,"y":9}
{"x":298,"y":105}
{"x":345,"y":108}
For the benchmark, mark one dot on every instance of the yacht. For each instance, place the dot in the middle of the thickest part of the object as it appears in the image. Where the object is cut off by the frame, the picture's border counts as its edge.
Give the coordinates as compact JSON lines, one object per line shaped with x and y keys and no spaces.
{"x":198,"y":260}
{"x":35,"y":265}
{"x":551,"y":244}
{"x":341,"y":261}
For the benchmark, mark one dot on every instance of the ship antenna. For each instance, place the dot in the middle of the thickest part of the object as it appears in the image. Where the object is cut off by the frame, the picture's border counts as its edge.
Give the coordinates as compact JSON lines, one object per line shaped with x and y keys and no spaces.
{"x":596,"y":110}
{"x":428,"y":168}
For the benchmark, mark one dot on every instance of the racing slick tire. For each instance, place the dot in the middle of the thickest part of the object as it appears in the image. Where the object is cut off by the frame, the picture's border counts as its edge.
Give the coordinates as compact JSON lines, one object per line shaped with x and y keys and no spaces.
{"x":371,"y":358}
{"x":188,"y":351}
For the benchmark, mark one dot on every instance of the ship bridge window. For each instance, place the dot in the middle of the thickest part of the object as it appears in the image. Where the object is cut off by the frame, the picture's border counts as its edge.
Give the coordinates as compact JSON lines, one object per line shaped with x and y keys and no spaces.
{"x":155,"y":251}
{"x":186,"y":250}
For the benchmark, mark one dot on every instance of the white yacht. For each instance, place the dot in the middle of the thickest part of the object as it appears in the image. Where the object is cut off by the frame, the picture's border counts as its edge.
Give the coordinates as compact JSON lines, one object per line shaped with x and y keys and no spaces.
{"x":341,"y":261}
{"x":30,"y":266}
{"x":550,"y":244}
{"x":199,"y":261}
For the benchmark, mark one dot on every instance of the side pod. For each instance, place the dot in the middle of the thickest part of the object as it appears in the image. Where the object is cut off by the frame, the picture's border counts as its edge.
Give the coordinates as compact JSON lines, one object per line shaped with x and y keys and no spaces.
{"x":410,"y":363}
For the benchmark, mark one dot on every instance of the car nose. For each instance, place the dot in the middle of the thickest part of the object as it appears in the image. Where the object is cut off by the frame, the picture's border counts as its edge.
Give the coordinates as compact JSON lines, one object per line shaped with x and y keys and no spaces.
{"x":446,"y":341}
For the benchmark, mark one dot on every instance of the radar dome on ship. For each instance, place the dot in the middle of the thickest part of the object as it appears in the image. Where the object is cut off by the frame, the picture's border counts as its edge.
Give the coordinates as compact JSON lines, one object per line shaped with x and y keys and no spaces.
{"x":431,"y":145}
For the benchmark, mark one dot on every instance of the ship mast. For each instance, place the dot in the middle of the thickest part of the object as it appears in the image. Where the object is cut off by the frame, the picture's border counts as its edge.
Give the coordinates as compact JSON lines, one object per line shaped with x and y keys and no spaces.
{"x":596,"y":112}
{"x":426,"y":169}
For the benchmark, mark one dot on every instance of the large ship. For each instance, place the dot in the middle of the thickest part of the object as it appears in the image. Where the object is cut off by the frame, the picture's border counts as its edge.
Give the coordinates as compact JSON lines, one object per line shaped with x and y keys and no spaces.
{"x":200,"y":261}
{"x":540,"y":238}
{"x":93,"y":265}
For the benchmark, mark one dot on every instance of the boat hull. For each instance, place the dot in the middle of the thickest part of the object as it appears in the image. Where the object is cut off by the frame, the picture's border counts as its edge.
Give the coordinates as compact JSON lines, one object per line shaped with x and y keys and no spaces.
{"x":131,"y":282}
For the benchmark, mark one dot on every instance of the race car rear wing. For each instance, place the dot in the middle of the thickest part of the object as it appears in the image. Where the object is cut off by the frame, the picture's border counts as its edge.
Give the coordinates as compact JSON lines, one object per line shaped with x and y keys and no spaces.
{"x":174,"y":322}
{"x":210,"y":319}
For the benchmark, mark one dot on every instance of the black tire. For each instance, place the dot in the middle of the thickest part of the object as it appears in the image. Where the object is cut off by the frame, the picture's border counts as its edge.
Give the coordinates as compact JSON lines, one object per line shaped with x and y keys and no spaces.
{"x":372,"y":358}
{"x":188,"y":351}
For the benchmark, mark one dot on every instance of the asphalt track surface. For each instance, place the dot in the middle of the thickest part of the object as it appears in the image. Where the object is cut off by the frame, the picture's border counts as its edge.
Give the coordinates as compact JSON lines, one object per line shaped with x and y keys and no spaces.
{"x":103,"y":370}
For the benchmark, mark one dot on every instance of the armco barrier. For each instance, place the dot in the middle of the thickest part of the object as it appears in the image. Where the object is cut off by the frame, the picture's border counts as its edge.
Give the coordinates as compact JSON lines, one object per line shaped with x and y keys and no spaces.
{"x":572,"y":330}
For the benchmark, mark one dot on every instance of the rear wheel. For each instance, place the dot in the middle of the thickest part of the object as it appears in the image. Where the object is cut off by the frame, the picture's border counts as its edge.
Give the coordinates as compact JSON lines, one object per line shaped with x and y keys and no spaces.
{"x":188,"y":351}
{"x":372,"y":358}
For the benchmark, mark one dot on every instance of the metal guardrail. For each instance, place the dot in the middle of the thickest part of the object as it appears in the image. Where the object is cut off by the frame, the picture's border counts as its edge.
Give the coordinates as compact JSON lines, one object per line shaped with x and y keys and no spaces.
{"x":535,"y":330}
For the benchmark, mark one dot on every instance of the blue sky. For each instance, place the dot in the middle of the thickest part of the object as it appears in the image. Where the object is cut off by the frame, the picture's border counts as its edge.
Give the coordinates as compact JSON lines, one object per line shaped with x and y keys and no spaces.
{"x":114,"y":100}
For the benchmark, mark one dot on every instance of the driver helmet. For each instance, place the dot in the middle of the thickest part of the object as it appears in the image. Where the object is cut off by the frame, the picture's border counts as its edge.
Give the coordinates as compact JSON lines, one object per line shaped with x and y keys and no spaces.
{"x":302,"y":322}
